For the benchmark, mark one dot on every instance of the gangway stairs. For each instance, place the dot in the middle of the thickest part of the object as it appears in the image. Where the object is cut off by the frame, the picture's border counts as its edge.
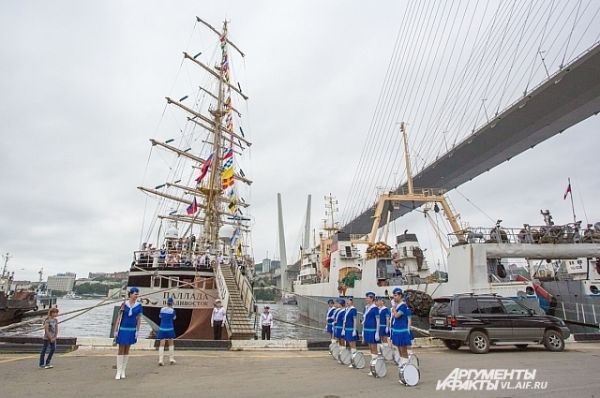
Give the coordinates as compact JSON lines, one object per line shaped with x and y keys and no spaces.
{"x":238,"y":301}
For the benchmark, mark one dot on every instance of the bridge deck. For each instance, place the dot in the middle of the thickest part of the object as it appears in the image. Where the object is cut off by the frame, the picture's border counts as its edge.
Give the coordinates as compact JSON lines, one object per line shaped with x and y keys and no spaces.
{"x":565,"y":99}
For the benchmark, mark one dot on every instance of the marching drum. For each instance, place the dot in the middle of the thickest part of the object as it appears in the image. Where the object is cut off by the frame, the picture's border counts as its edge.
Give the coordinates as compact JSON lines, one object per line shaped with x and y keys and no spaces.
{"x":388,"y":352}
{"x":378,"y":367}
{"x":414,"y":360}
{"x":358,"y":360}
{"x":334,"y":350}
{"x":345,"y":356}
{"x":409,"y":374}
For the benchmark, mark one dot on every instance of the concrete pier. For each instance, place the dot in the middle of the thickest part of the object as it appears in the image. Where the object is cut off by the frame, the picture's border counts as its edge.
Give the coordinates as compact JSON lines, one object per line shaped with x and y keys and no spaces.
{"x":90,"y":373}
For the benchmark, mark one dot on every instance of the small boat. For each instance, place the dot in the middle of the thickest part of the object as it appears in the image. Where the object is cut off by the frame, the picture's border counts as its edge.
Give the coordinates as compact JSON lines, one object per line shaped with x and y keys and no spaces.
{"x":289,"y":299}
{"x":73,"y":296}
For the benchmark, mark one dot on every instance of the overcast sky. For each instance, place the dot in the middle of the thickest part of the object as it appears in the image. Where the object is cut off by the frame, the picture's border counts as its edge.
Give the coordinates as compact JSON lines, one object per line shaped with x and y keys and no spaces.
{"x":83,"y":87}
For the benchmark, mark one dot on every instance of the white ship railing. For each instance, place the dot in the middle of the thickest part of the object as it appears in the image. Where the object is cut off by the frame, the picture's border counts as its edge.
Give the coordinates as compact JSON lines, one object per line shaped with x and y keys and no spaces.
{"x":245,"y":289}
{"x":223,"y":292}
{"x":555,"y":234}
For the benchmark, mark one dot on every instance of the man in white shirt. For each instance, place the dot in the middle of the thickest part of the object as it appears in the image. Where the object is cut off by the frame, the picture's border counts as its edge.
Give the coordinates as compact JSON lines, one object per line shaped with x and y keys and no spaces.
{"x":217,"y":319}
{"x":266,"y":321}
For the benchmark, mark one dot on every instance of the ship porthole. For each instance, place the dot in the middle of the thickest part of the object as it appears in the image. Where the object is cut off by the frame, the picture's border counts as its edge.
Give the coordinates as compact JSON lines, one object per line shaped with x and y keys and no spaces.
{"x":594,"y":289}
{"x":529,"y":290}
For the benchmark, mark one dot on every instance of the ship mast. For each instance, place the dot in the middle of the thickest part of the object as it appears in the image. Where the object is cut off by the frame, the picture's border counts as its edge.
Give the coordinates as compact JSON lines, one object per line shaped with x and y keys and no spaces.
{"x":217,"y":190}
{"x":213,"y":198}
{"x":6,"y":257}
{"x":330,"y":210}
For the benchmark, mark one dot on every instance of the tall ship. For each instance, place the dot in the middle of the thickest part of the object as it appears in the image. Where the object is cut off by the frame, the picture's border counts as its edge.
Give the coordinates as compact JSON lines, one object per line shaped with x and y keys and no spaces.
{"x":196,"y":245}
{"x":483,"y":260}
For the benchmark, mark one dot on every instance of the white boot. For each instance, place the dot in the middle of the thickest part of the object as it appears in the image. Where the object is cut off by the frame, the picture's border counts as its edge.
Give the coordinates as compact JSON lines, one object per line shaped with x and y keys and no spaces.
{"x":172,"y":354}
{"x":125,"y":359}
{"x":161,"y":354}
{"x":373,"y":357}
{"x":119,"y":366}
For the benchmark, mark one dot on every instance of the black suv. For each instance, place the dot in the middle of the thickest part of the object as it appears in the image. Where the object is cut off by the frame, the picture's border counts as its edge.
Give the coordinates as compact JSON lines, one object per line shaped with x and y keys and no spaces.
{"x":483,"y":320}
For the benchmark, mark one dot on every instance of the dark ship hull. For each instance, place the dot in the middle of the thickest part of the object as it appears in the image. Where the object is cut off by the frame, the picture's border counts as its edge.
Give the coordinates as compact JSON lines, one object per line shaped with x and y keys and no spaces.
{"x":194,"y":293}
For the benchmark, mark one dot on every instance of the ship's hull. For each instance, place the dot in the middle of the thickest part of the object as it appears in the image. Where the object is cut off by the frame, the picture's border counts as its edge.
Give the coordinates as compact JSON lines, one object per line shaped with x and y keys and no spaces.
{"x":191,"y":324}
{"x":575,"y":303}
{"x":13,"y":308}
{"x":194,"y":294}
{"x":9,"y":316}
{"x":312,"y":299}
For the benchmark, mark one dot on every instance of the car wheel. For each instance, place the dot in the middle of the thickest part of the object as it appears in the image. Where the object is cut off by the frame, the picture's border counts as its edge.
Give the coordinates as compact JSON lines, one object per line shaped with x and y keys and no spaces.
{"x":453,"y":344}
{"x":553,"y":341}
{"x":479,"y":342}
{"x":521,"y":347}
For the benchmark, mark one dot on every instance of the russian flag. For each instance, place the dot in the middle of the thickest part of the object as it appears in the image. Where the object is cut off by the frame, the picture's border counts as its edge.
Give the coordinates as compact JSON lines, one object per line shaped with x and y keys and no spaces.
{"x":193,"y":208}
{"x":204,"y":169}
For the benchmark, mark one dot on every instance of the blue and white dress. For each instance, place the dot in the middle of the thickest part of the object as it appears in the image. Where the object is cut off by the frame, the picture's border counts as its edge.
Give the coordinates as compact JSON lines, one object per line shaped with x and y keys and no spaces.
{"x":166,"y":330}
{"x":384,"y":317}
{"x":330,"y":320}
{"x":401,"y":335}
{"x":370,"y":324}
{"x":349,"y":329}
{"x":339,"y":323}
{"x":128,"y":325}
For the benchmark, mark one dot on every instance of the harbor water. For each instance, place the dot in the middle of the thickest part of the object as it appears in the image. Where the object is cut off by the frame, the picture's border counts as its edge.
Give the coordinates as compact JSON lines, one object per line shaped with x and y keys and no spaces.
{"x":96,"y":322}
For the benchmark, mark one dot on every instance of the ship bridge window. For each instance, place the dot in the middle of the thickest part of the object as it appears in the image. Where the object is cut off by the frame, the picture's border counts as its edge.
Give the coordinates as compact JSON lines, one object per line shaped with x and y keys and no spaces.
{"x":139,"y":280}
{"x":385,"y":269}
{"x":156,"y":281}
{"x":348,"y":251}
{"x":174,"y":281}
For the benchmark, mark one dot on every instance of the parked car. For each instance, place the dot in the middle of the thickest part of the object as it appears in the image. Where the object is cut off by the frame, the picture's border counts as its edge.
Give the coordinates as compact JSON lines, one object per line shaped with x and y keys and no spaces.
{"x":484,"y":320}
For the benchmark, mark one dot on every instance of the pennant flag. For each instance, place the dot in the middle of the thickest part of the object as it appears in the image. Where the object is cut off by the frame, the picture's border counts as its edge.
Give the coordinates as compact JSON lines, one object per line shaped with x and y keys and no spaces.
{"x":234,"y":237}
{"x":204,"y":169}
{"x":228,"y":163}
{"x":228,"y":183}
{"x":227,"y":173}
{"x":228,"y":153}
{"x":568,"y":191}
{"x":193,"y":208}
{"x":242,"y":173}
{"x":238,"y":251}
{"x":232,"y":205}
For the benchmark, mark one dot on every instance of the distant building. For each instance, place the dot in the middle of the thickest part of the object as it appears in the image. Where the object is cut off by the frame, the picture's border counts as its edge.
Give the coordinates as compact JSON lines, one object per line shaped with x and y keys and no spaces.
{"x":266,"y":265}
{"x":275,"y":264}
{"x":109,"y":275}
{"x":62,"y":282}
{"x":120,"y":276}
{"x":258,"y":268}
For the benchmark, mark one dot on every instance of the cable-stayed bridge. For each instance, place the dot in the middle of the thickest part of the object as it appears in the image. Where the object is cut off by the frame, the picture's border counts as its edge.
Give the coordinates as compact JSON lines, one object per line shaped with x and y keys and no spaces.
{"x":564,"y":99}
